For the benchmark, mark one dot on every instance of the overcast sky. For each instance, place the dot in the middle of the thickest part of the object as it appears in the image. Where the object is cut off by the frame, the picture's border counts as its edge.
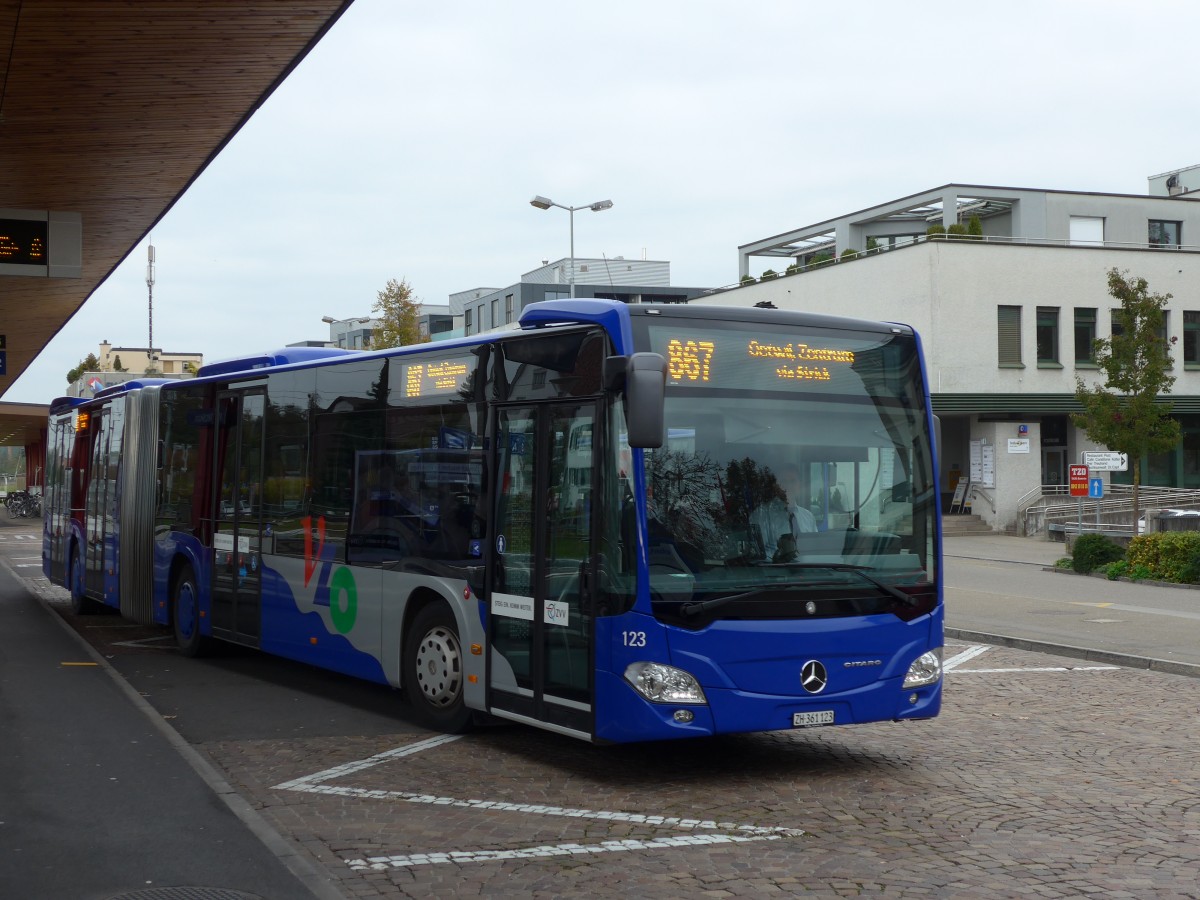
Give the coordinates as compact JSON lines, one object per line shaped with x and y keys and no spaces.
{"x":409,"y":142}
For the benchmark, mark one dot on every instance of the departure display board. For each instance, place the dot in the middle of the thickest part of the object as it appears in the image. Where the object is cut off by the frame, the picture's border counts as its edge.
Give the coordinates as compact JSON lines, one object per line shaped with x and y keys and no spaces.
{"x":23,"y":242}
{"x":435,"y":377}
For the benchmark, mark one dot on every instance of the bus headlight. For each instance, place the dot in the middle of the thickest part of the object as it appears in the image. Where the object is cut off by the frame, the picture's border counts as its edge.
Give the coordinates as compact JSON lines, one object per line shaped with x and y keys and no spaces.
{"x":927,"y":669}
{"x":664,"y":684}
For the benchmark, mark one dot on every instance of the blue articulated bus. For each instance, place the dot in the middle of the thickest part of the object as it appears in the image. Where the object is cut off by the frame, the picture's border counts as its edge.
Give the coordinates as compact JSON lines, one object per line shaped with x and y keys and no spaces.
{"x":619,"y":522}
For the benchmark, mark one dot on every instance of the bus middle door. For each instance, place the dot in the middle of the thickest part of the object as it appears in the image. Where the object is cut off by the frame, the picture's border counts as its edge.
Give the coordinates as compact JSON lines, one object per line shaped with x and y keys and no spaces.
{"x":237,"y":517}
{"x":541,"y":610}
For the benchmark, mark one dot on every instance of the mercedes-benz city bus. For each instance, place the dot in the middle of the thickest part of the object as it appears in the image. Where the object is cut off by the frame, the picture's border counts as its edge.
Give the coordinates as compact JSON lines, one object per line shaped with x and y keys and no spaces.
{"x":619,"y":522}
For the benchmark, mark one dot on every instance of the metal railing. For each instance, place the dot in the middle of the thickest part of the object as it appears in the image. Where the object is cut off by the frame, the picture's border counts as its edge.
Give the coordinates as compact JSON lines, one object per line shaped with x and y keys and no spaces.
{"x":917,"y":240}
{"x":1052,"y":507}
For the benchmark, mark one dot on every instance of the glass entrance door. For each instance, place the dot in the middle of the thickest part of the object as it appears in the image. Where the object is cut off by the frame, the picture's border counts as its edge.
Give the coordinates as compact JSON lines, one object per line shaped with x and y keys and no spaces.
{"x":540,"y":601}
{"x":237,"y":514}
{"x":1054,"y":461}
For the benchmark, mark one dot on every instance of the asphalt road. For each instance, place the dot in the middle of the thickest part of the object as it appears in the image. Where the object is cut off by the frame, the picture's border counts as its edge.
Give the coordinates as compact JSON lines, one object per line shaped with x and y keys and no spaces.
{"x":998,"y":588}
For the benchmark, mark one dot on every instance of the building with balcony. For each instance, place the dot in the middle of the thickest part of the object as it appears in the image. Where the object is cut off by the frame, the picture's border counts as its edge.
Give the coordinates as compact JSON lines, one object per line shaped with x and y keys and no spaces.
{"x":1007,"y":315}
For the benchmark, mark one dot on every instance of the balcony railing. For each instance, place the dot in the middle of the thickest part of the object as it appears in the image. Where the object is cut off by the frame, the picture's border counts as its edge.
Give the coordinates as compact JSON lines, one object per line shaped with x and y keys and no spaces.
{"x":796,"y":269}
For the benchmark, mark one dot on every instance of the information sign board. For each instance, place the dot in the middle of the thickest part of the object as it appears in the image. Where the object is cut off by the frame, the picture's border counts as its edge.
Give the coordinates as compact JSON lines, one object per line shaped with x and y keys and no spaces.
{"x":1106,"y":461}
{"x":1079,"y":481}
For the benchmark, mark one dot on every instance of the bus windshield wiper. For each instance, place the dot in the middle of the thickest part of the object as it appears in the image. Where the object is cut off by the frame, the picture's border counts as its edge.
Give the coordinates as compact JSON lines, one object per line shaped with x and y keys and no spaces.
{"x":698,"y":607}
{"x":861,"y":572}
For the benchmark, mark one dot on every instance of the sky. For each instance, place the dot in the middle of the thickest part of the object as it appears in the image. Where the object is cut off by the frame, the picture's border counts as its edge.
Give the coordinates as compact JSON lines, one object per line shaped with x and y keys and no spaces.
{"x":409,"y":142}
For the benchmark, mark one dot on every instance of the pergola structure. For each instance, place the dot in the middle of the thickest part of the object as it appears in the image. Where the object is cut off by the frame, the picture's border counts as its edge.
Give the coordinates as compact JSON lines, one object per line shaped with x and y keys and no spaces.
{"x":109,"y":110}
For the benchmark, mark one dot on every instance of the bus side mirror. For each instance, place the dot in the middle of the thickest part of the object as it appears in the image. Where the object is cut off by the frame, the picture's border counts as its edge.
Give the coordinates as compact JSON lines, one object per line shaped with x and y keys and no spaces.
{"x":645,"y":389}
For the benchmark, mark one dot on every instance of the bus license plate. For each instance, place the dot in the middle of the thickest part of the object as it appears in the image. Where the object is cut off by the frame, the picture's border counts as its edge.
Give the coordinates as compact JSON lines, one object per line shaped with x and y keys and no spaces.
{"x":808,"y":719}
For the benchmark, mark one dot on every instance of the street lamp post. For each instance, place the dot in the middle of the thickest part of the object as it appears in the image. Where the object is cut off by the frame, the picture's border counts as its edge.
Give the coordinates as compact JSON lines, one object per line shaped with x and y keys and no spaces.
{"x":598,"y":206}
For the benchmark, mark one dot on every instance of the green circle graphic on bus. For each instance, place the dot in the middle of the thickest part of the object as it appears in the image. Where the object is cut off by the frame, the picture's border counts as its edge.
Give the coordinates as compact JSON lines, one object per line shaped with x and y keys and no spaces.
{"x":343,"y":600}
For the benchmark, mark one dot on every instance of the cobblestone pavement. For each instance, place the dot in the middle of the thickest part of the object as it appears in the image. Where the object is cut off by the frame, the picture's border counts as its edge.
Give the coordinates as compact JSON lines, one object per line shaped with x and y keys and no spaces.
{"x":1043,"y":777}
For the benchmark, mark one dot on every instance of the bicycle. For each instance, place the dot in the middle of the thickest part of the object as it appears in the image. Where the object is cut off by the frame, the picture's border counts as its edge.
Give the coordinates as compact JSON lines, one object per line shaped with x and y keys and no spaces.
{"x":24,"y":505}
{"x":13,"y":500}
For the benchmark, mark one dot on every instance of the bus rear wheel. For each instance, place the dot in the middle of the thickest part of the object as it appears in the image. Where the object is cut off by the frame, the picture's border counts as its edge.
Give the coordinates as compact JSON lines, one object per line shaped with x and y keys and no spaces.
{"x":185,"y":614}
{"x":433,"y":670}
{"x":81,"y":603}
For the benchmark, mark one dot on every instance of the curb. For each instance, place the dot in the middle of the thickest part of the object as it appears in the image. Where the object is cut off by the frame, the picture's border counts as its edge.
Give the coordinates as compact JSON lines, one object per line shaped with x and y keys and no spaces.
{"x":1125,"y":660}
{"x":1059,"y":570}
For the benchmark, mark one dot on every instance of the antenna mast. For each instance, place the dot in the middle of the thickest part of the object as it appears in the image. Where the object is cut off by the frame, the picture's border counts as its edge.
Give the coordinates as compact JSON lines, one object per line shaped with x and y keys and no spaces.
{"x":151,"y":367}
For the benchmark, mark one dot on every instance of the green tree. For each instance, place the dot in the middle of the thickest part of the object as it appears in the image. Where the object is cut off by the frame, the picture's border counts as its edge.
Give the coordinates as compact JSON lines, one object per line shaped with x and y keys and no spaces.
{"x":117,"y":367}
{"x":88,"y":364}
{"x":399,"y":314}
{"x":1123,"y":414}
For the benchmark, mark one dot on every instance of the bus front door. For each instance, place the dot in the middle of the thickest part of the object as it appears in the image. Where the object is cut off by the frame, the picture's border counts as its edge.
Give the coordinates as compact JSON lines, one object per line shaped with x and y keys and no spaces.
{"x":540,"y":622}
{"x":237,"y":514}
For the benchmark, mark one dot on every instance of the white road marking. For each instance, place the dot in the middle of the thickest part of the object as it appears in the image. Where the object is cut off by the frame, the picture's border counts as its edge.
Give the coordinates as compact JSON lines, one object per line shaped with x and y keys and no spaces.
{"x":725,"y":832}
{"x":965,"y":656}
{"x":378,"y":863}
{"x":1037,"y":669}
{"x":141,"y":642}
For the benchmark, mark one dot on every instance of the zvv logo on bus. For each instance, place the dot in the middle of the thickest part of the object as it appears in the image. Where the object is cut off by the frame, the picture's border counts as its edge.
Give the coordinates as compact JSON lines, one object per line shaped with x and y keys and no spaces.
{"x":336,"y":589}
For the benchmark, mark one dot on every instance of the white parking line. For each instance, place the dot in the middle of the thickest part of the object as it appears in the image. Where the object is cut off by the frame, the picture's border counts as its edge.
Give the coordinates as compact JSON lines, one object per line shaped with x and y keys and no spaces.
{"x":959,"y":658}
{"x":1037,"y":669}
{"x":724,"y":832}
{"x":971,"y":653}
{"x":378,"y":863}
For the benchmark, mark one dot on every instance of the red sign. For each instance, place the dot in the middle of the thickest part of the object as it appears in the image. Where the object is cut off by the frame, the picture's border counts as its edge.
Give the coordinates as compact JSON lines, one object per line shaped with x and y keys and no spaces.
{"x":1079,"y":481}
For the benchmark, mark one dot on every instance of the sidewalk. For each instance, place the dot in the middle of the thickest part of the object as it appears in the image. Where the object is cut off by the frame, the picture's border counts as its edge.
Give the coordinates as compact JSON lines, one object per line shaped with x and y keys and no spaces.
{"x":94,"y":777}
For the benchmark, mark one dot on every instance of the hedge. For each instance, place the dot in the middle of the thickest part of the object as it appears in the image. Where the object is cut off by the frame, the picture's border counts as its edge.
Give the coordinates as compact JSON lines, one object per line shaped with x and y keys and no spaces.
{"x":1167,"y":555}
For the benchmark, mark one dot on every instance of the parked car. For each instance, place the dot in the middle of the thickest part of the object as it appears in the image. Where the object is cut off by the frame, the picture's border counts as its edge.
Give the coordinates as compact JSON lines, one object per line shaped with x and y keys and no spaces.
{"x":1170,"y":514}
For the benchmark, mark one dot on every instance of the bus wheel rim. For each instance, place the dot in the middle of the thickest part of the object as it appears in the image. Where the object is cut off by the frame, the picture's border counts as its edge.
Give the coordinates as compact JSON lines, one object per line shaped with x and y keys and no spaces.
{"x":439,"y":667}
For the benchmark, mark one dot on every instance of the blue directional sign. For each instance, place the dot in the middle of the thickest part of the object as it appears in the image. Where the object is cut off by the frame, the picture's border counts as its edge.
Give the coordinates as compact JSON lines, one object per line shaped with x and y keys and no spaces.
{"x":1096,"y":488}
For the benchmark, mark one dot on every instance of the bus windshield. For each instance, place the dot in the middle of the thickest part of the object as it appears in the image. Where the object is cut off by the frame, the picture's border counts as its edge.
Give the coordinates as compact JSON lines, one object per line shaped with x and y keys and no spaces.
{"x":797,"y":467}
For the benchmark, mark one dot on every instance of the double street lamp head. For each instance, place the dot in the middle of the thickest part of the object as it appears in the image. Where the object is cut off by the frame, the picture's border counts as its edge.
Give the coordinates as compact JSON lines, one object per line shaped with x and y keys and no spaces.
{"x":545,"y":203}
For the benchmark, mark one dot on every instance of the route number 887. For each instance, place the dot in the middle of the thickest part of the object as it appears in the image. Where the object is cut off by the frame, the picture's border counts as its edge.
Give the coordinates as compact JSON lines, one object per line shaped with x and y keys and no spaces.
{"x":689,"y":360}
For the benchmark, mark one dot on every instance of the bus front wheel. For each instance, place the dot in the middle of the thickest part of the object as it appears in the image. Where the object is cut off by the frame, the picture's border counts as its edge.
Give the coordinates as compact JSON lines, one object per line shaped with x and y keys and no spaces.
{"x":185,"y":613}
{"x":433,"y":670}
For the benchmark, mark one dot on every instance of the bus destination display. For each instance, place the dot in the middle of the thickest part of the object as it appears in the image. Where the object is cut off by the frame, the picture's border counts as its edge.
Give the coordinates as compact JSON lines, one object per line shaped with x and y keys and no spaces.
{"x":743,"y":360}
{"x":436,"y":377}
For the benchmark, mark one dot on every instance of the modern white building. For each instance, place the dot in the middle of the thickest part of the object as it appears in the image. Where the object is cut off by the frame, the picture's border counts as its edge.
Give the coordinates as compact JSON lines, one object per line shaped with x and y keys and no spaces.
{"x":357,"y":332}
{"x":1007,"y":318}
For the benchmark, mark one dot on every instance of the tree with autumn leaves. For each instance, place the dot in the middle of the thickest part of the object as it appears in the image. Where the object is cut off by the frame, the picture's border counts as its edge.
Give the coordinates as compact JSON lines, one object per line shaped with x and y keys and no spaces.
{"x":399,"y":314}
{"x":1125,"y":413}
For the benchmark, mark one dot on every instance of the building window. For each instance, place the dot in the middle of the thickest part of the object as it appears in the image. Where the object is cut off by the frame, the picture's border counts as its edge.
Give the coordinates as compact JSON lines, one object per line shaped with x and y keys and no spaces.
{"x":1008,"y":332}
{"x":496,"y":313}
{"x":1087,"y":230}
{"x":1191,"y":340}
{"x":467,"y":325}
{"x":1163,"y":330}
{"x":1085,"y":336}
{"x":1164,"y":234}
{"x":508,"y":308}
{"x":1047,"y":336}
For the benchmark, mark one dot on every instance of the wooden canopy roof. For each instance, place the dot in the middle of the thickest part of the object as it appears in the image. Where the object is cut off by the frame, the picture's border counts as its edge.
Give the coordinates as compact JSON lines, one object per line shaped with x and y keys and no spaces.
{"x":110,"y":109}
